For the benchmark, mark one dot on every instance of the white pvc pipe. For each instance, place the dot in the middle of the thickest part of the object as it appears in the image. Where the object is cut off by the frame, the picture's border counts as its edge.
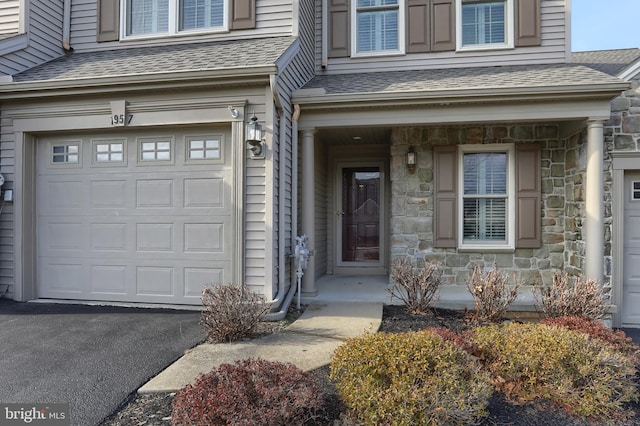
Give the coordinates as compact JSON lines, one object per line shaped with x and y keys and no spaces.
{"x":66,"y":26}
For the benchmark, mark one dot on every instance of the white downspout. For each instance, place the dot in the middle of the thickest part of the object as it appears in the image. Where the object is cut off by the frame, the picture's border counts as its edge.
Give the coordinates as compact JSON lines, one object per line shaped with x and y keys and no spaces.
{"x":66,"y":26}
{"x":279,"y":302}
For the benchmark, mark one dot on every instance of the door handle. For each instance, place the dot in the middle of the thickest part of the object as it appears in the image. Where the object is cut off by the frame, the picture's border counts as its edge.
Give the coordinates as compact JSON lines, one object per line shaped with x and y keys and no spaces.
{"x":339,"y":213}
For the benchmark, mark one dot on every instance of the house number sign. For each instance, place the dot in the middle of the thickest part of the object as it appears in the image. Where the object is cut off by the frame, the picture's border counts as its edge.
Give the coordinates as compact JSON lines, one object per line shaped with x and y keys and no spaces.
{"x":119,"y":116}
{"x":121,"y":119}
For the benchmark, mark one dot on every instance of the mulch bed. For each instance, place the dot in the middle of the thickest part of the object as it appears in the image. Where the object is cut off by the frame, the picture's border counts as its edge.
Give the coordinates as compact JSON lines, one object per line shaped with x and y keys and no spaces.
{"x":155,"y":409}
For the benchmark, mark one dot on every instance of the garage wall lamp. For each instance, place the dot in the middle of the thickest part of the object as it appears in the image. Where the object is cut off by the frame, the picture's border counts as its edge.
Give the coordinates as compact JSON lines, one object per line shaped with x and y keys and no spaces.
{"x":254,"y":137}
{"x":411,"y":160}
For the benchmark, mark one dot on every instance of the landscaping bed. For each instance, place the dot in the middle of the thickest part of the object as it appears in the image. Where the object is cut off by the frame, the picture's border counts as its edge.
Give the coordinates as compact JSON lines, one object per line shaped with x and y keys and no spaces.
{"x":156,"y":409}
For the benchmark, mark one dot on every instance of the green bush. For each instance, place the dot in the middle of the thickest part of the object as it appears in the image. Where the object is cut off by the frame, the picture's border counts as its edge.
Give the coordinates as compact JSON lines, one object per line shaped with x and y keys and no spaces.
{"x":528,"y":361}
{"x":413,"y":378}
{"x":249,"y":392}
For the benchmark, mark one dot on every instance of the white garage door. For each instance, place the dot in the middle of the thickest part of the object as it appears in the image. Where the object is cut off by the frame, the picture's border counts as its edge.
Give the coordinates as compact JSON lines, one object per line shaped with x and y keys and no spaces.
{"x":631,"y":257}
{"x":134,"y":218}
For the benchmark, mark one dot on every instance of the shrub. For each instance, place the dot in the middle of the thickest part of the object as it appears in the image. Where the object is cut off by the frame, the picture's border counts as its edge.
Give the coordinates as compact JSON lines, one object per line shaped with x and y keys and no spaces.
{"x":249,"y":392}
{"x":597,"y":330}
{"x":570,"y":297}
{"x":231,"y":312}
{"x":492,"y":295}
{"x":529,"y":361}
{"x":415,"y":287}
{"x":413,"y":378}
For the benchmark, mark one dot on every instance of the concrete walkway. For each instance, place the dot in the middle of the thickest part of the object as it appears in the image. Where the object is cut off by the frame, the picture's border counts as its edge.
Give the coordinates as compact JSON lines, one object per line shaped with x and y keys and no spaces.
{"x":308,"y":343}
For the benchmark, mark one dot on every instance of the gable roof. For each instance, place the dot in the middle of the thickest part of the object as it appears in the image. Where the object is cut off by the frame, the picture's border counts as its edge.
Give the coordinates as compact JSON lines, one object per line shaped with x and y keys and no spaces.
{"x":160,"y":59}
{"x":612,"y":62}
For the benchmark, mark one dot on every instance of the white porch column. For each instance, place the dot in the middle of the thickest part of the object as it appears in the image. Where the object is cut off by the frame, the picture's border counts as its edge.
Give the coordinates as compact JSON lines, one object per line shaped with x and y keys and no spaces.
{"x":308,"y":209}
{"x":594,"y":204}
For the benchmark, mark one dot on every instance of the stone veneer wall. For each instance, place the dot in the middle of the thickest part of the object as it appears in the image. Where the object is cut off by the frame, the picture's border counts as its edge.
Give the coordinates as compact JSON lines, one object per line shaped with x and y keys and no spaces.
{"x":562,"y":201}
{"x":621,"y":134}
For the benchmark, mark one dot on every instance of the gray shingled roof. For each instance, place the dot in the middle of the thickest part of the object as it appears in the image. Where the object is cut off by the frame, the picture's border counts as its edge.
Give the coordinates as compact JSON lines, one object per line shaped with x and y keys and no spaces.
{"x":154,"y":59}
{"x":612,"y":62}
{"x":515,"y":76}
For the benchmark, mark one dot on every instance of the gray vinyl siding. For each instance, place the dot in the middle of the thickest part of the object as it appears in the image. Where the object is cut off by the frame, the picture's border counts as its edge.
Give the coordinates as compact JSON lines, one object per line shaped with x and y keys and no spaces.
{"x":45,"y":38}
{"x":296,"y":69}
{"x":552,"y":50}
{"x":7,"y":154}
{"x":273,"y":18}
{"x":9,"y":17}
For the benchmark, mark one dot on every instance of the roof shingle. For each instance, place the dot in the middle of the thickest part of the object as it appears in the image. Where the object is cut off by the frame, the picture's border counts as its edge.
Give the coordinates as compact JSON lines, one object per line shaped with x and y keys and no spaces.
{"x":156,"y":59}
{"x":612,"y":62}
{"x":514,"y":76}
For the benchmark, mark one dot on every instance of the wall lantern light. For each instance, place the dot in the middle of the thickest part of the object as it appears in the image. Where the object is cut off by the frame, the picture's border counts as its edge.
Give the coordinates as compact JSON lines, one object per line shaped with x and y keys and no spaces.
{"x":254,"y":137}
{"x":412,"y":160}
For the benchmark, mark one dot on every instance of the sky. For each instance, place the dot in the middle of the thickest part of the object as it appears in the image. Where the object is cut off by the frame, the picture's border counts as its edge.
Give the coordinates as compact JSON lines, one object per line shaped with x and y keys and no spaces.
{"x":604,"y":24}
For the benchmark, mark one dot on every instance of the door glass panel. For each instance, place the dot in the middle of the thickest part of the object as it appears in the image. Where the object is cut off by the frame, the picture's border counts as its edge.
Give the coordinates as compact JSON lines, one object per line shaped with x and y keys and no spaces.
{"x":361,"y":218}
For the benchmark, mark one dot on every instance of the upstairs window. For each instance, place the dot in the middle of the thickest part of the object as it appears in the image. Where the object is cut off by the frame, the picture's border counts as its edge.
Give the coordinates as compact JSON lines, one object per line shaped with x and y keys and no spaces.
{"x":485,"y":23}
{"x":152,"y":17}
{"x":379,"y":28}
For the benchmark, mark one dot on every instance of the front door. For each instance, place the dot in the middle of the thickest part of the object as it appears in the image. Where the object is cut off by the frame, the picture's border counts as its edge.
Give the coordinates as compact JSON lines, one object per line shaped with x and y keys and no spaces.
{"x":359,"y":218}
{"x":631,"y":255}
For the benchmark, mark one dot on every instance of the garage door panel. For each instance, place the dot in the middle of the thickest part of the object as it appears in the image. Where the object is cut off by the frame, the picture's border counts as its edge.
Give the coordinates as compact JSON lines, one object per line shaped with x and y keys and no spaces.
{"x":109,"y":279}
{"x":204,"y":192}
{"x":133,"y":231}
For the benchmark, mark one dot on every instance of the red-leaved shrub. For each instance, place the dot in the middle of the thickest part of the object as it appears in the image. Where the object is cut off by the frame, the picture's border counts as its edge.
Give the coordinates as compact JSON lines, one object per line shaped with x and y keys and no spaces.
{"x":597,"y":330}
{"x":249,"y":392}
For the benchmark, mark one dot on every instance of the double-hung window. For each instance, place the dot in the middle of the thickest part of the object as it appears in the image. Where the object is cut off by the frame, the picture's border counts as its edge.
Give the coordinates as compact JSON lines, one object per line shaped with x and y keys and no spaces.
{"x":379,"y":26}
{"x":485,"y":23}
{"x":161,"y":17}
{"x":486,"y":196}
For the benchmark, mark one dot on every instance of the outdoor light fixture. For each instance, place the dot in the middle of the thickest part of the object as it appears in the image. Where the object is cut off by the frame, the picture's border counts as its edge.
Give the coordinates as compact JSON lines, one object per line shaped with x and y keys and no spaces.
{"x":254,"y":137}
{"x":412,"y":160}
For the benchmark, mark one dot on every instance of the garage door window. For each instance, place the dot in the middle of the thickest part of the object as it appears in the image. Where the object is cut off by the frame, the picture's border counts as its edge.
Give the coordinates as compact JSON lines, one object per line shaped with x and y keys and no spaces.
{"x":204,"y":148}
{"x":635,"y":190}
{"x":65,"y":153}
{"x":108,"y":152}
{"x":155,"y":150}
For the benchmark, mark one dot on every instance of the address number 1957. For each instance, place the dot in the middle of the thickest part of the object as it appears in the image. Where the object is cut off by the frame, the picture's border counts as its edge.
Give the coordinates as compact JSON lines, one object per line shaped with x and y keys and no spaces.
{"x":121,"y":119}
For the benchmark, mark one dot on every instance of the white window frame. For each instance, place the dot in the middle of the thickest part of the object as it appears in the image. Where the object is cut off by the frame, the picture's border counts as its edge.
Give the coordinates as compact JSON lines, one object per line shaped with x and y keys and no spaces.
{"x":509,"y":244}
{"x":155,"y":161}
{"x":401,"y":32}
{"x":508,"y":31}
{"x":173,"y":22}
{"x":110,"y":162}
{"x":204,"y":139}
{"x":77,"y":144}
{"x":635,"y":191}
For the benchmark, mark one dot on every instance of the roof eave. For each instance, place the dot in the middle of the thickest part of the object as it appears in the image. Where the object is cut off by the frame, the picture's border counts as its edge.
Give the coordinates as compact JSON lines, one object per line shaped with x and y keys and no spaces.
{"x":165,"y":80}
{"x":318,"y":98}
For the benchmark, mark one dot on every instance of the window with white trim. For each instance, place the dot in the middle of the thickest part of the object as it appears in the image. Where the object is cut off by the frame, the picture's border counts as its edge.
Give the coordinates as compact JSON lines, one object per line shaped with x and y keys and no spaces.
{"x":68,"y":153}
{"x":108,"y":152}
{"x":487,"y":201}
{"x":485,"y":23}
{"x":155,"y":150}
{"x":635,"y":190}
{"x":162,"y":17}
{"x":379,"y":26}
{"x":204,"y":149}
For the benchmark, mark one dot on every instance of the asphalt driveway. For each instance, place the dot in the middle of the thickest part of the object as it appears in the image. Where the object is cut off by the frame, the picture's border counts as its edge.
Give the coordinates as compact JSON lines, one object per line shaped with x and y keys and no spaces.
{"x":91,"y":357}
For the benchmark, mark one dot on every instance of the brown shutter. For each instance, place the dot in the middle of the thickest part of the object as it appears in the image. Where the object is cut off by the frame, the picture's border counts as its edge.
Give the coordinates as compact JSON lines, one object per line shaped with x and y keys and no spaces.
{"x":443,"y":26}
{"x":243,"y":14}
{"x":417,"y":23}
{"x":527,"y":23}
{"x":445,"y":217}
{"x":108,"y":20}
{"x":528,"y":195}
{"x":338,"y":27}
